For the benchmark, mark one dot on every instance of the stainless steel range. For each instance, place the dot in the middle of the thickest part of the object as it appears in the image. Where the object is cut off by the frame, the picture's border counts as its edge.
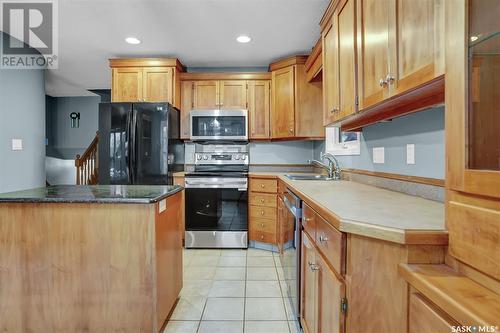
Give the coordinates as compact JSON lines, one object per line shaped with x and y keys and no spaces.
{"x":217,"y":197}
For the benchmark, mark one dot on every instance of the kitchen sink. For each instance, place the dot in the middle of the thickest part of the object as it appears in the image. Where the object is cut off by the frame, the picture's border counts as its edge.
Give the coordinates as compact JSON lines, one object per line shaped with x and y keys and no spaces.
{"x":307,"y":177}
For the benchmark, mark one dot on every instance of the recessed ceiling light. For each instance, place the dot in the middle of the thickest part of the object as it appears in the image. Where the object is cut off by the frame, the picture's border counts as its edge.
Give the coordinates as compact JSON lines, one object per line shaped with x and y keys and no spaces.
{"x":132,"y":40}
{"x":243,"y":39}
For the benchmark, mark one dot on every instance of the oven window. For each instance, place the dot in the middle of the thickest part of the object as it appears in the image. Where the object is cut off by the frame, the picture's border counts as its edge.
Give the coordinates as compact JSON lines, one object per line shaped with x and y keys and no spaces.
{"x":219,"y":126}
{"x":210,"y":209}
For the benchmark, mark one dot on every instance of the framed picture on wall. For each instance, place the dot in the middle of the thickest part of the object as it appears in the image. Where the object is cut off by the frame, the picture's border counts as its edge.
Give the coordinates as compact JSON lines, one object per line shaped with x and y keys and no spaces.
{"x":342,"y":143}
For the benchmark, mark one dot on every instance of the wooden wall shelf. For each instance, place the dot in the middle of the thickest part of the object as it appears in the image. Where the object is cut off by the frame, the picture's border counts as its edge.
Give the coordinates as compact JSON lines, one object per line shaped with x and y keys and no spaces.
{"x":423,"y":97}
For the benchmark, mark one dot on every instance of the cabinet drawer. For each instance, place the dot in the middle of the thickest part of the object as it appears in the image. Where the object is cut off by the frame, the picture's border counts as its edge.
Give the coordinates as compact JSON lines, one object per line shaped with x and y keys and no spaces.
{"x":262,"y":212}
{"x":264,"y":237}
{"x":262,"y":199}
{"x":309,"y":220}
{"x":331,"y":243}
{"x":262,"y":225}
{"x":263,"y":185}
{"x":424,"y":317}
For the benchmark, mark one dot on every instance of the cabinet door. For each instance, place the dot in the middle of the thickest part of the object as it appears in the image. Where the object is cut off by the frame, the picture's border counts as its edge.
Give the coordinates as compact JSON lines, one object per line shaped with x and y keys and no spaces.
{"x":425,"y":317}
{"x":373,"y":49}
{"x":259,"y":105}
{"x":417,"y":43}
{"x":283,"y":97}
{"x":330,"y":293}
{"x":308,"y":285}
{"x":330,"y":75}
{"x":345,"y":20}
{"x":127,"y":84}
{"x":187,"y":104}
{"x":206,"y":95}
{"x":233,"y":94}
{"x":280,"y":237}
{"x":158,"y":84}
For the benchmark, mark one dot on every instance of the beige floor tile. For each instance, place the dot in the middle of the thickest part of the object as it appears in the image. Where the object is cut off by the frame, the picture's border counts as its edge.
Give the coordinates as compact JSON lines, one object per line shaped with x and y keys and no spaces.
{"x":181,"y":327}
{"x":288,"y":310}
{"x":259,"y":253}
{"x":261,"y":273}
{"x":263,"y":289}
{"x":260,"y":261}
{"x":189,"y":308}
{"x":206,"y":252}
{"x":224,"y":309}
{"x":232,"y":261}
{"x":221,"y":327}
{"x":196,"y":288}
{"x":204,"y":261}
{"x":266,"y":327}
{"x":199,"y":273}
{"x":230,"y":273}
{"x":294,"y":327}
{"x":264,"y":309}
{"x":233,"y":253}
{"x":227,"y":289}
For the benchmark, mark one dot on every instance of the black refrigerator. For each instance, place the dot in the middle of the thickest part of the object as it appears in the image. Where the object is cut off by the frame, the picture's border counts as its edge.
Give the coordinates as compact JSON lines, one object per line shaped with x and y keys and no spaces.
{"x":139,"y":143}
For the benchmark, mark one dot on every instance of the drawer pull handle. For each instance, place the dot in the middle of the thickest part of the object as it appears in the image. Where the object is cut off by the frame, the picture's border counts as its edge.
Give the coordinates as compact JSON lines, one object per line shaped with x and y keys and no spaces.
{"x":323,"y":239}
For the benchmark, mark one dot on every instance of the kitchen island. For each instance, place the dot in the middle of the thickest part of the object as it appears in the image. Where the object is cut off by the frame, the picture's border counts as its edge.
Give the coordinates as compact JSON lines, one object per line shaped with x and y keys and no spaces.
{"x":89,"y":258}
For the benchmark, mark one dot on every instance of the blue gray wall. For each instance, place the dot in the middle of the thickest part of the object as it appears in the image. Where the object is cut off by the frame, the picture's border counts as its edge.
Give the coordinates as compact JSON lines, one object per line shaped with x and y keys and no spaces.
{"x":425,"y":129}
{"x":22,"y":116}
{"x":63,"y":141}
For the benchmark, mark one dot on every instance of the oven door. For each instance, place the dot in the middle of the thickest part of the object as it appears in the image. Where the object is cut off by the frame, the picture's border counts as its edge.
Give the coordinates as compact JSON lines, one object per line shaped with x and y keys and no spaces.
{"x":216,"y":212}
{"x":226,"y":125}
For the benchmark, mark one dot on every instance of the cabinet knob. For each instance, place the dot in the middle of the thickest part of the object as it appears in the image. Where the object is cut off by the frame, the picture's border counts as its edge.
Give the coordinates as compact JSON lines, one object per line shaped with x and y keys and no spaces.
{"x":262,"y":225}
{"x":323,"y":239}
{"x":261,"y":236}
{"x":382,"y":82}
{"x":290,"y":130}
{"x":334,"y":110}
{"x":389,"y":79}
{"x":262,"y":185}
{"x":262,"y":200}
{"x":313,"y":267}
{"x":261,"y":212}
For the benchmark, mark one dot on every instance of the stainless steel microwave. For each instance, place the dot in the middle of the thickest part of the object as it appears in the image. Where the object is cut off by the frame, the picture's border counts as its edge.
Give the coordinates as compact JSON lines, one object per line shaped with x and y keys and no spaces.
{"x":221,"y":125}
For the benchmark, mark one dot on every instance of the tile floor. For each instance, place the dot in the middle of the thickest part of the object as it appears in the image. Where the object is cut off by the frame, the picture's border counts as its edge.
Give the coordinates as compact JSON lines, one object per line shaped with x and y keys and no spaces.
{"x":232,"y":291}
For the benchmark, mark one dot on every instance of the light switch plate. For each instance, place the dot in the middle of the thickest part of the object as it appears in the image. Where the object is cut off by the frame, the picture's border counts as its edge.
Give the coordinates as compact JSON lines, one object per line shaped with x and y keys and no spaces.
{"x":17,"y":144}
{"x":410,"y":153}
{"x":379,"y":155}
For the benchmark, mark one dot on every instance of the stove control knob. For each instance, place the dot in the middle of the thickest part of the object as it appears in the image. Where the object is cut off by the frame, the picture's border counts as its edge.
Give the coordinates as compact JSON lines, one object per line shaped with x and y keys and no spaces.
{"x":198,"y":157}
{"x":243,"y":157}
{"x":205,"y":157}
{"x":236,"y":157}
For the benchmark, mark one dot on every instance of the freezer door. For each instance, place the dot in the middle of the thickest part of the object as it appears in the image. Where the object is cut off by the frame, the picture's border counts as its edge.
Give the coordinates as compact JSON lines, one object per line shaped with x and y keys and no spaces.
{"x":150,"y":153}
{"x":114,"y":143}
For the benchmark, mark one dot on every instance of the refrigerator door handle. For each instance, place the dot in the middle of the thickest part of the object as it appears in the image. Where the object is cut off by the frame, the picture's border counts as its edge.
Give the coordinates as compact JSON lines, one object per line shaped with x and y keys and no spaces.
{"x":128,"y":158}
{"x":133,"y":143}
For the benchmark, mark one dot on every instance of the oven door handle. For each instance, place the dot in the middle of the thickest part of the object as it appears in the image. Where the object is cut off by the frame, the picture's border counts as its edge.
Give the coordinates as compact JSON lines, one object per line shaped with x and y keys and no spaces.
{"x":237,"y":183}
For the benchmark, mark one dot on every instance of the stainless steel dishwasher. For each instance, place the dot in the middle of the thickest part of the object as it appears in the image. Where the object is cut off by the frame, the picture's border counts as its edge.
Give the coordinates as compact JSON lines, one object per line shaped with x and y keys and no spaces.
{"x":290,"y":257}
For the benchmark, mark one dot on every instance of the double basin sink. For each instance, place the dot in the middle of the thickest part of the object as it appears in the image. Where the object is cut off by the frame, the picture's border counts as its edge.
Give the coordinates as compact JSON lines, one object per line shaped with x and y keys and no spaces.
{"x":307,"y":177}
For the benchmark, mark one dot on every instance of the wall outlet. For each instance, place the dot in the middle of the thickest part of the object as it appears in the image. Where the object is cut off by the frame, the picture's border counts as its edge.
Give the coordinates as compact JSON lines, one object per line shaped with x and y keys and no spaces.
{"x":410,"y":153}
{"x":17,"y":144}
{"x":379,"y":155}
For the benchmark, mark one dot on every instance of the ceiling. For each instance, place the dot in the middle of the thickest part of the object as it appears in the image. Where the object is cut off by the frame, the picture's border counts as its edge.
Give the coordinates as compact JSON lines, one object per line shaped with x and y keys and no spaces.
{"x":201,"y":33}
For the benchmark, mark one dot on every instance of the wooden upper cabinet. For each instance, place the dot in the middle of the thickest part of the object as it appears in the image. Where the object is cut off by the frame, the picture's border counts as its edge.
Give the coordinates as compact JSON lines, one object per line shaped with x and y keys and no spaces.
{"x":373,"y":51}
{"x":233,"y":94}
{"x":330,"y":75}
{"x":146,"y":80}
{"x":127,"y":84}
{"x":187,"y":104}
{"x":259,"y":105}
{"x":417,"y":43}
{"x":158,"y":84}
{"x":206,"y":95}
{"x":296,"y":104}
{"x":345,"y":21}
{"x":330,"y":294}
{"x":283,"y":97}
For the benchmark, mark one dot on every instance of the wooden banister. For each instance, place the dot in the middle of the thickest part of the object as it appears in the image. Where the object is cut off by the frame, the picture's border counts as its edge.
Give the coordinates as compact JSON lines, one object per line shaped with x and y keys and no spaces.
{"x":86,"y":164}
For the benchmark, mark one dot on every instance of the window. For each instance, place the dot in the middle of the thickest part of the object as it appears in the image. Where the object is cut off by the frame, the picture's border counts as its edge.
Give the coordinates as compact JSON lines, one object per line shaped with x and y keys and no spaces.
{"x":342,"y":143}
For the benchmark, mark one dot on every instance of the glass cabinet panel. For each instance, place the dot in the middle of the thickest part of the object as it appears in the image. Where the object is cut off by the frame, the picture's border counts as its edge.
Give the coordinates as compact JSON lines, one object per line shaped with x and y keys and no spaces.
{"x":484,"y":85}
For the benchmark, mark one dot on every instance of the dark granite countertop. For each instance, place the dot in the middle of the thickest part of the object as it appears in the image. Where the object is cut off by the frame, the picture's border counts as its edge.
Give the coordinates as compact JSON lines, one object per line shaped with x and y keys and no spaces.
{"x":140,"y":194}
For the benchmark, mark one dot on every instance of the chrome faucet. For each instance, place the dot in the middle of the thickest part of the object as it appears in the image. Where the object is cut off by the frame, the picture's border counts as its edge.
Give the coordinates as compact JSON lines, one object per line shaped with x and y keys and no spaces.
{"x":333,"y":166}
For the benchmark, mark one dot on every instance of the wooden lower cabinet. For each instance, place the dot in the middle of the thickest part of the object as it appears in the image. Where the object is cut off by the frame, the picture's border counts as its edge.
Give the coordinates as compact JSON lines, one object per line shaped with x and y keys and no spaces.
{"x":425,"y":317}
{"x":322,"y":292}
{"x":262,"y":210}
